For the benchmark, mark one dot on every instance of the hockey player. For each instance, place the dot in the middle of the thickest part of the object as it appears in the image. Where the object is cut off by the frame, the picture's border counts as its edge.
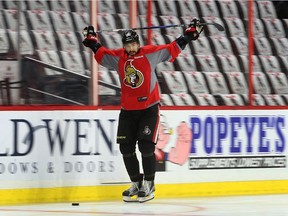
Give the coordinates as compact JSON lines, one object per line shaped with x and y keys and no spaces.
{"x":140,"y":98}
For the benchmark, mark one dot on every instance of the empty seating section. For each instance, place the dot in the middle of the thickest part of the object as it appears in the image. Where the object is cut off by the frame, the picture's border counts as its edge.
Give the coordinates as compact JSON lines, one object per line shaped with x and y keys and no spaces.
{"x":50,"y":32}
{"x":211,"y":71}
{"x":218,"y":63}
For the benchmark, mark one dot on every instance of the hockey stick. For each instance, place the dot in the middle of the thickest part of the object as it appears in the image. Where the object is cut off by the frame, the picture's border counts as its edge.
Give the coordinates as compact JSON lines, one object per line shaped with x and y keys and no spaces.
{"x":217,"y":26}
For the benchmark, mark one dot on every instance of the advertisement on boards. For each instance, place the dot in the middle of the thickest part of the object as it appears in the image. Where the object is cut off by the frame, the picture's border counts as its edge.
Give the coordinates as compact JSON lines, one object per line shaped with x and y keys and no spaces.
{"x":78,"y":148}
{"x":60,"y":148}
{"x":223,"y":145}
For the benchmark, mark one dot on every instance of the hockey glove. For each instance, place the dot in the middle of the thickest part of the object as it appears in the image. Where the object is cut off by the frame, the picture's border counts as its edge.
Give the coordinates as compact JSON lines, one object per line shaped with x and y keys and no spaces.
{"x":90,"y":40}
{"x":194,"y":29}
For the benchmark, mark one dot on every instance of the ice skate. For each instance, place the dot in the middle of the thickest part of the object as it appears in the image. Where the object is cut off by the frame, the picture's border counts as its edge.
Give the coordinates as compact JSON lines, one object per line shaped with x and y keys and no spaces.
{"x":146,"y":192}
{"x":130,"y":195}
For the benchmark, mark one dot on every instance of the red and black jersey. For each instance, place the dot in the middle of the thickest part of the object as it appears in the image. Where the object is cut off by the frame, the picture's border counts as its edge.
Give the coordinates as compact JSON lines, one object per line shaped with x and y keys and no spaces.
{"x":139,"y":84}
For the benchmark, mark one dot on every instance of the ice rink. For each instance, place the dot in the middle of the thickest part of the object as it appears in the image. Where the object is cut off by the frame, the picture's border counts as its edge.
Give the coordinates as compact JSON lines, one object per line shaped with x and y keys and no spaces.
{"x":266,"y":205}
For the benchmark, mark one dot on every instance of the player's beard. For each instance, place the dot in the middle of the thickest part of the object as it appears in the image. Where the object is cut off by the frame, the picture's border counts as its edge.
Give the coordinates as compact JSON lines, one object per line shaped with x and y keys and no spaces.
{"x":131,"y":53}
{"x":134,"y":52}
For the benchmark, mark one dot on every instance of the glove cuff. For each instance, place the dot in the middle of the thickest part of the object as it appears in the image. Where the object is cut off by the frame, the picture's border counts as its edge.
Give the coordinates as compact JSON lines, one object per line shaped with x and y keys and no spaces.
{"x":182,"y":41}
{"x":95,"y":47}
{"x":191,"y":36}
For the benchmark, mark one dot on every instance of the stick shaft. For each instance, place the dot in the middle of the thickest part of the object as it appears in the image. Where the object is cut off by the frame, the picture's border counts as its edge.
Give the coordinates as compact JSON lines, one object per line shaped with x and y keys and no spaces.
{"x":218,"y":26}
{"x":141,"y":28}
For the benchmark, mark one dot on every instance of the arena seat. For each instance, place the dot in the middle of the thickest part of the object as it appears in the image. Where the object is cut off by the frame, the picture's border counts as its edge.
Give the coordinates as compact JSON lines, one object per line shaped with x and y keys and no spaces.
{"x":285,"y":24}
{"x":72,"y":60}
{"x":104,"y":76}
{"x":185,"y":62}
{"x":164,"y":66}
{"x":183,"y":99}
{"x":13,"y":5}
{"x":4,"y":42}
{"x":122,"y":21}
{"x":41,"y":5}
{"x":243,"y":9}
{"x":239,"y":45}
{"x":235,"y":27}
{"x":257,"y":99}
{"x":228,"y":8}
{"x":205,"y":99}
{"x":12,"y":20}
{"x":80,"y":19}
{"x":270,"y":63}
{"x":122,"y":7}
{"x":174,"y":82}
{"x":87,"y":55}
{"x":62,"y":21}
{"x":201,"y":46}
{"x":260,"y":83}
{"x":187,"y":8}
{"x":228,"y":63}
{"x":284,"y":64}
{"x":165,"y":8}
{"x":44,"y":40}
{"x":207,"y":63}
{"x":142,"y":8}
{"x":39,"y":20}
{"x":221,"y":45}
{"x":274,"y":100}
{"x":279,"y":82}
{"x":258,"y":28}
{"x":166,"y":100}
{"x":216,"y":83}
{"x":106,"y":6}
{"x":196,"y":84}
{"x":50,"y":57}
{"x":154,"y":21}
{"x":111,"y":40}
{"x":285,"y":98}
{"x":243,"y":59}
{"x":274,"y":28}
{"x":2,"y":23}
{"x":115,"y":77}
{"x":170,"y":20}
{"x":230,"y":100}
{"x":59,"y":6}
{"x":280,"y":46}
{"x":266,"y":9}
{"x":157,"y":38}
{"x":26,"y":45}
{"x":237,"y":82}
{"x":207,"y":8}
{"x":106,"y":21}
{"x":82,"y":6}
{"x":262,"y":46}
{"x":68,"y":40}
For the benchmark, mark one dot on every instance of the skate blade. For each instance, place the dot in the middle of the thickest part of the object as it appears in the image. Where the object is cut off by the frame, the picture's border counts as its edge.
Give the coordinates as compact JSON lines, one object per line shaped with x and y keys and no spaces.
{"x":147,"y":198}
{"x":130,"y":199}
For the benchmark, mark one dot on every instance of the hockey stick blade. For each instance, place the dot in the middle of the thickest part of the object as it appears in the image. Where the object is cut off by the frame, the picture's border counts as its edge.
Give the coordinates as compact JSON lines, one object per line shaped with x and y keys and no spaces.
{"x":217,"y":25}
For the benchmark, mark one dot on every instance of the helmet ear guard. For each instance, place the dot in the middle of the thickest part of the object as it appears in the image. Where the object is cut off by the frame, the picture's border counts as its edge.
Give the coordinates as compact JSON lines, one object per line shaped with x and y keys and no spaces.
{"x":130,"y":36}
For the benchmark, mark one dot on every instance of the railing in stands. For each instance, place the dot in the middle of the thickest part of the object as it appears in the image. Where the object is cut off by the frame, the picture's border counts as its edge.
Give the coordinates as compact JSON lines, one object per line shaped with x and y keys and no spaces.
{"x":67,"y":73}
{"x":72,"y":73}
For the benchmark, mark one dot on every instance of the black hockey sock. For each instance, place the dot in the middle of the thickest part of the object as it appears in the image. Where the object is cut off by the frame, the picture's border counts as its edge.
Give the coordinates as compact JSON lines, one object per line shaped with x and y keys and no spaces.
{"x":148,"y":162}
{"x":132,"y":166}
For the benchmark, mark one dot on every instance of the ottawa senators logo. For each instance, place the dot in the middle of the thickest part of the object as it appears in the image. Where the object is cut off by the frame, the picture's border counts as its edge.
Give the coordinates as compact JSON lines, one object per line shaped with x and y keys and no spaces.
{"x":133,"y":77}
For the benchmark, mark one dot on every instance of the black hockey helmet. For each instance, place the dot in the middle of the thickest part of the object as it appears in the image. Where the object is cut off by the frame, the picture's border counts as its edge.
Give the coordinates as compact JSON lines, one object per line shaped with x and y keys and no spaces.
{"x":130,"y":36}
